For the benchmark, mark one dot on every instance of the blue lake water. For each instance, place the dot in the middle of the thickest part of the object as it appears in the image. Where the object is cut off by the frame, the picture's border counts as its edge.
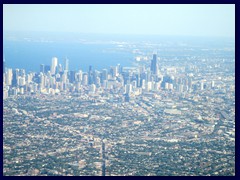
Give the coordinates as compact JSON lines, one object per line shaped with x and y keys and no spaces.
{"x":29,"y":55}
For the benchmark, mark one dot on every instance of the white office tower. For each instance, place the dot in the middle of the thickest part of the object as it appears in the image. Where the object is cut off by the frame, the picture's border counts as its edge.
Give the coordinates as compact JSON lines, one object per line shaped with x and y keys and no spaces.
{"x":18,"y":80}
{"x":42,"y":81}
{"x":66,"y":64}
{"x":5,"y":93}
{"x":21,"y":90}
{"x":118,"y":68}
{"x":105,"y":84}
{"x":52,"y":81}
{"x":29,"y":77}
{"x":57,"y":85}
{"x":98,"y":81}
{"x":128,"y":88}
{"x":180,"y":88}
{"x":61,"y":86}
{"x":22,"y":81}
{"x":35,"y":87}
{"x":201,"y":86}
{"x":64,"y":78}
{"x":9,"y":76}
{"x":148,"y":86}
{"x":157,"y":86}
{"x":134,"y":84}
{"x":143,"y":84}
{"x":166,"y":85}
{"x":115,"y":71}
{"x":60,"y":68}
{"x":54,"y":65}
{"x":212,"y":84}
{"x":79,"y":76}
{"x":170,"y":86}
{"x":78,"y":86}
{"x":85,"y":80}
{"x":93,"y":88}
{"x":17,"y":75}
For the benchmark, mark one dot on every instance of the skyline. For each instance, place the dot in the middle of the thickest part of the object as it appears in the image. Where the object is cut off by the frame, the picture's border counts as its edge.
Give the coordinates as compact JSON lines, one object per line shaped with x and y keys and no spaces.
{"x":118,"y":121}
{"x":177,"y":20}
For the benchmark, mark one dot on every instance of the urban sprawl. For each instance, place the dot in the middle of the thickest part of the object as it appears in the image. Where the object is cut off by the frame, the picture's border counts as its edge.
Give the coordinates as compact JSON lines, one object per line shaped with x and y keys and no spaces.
{"x":151,"y":119}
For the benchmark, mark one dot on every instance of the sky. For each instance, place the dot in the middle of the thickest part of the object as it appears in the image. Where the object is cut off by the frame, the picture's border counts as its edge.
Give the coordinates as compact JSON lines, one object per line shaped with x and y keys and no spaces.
{"x":157,"y":19}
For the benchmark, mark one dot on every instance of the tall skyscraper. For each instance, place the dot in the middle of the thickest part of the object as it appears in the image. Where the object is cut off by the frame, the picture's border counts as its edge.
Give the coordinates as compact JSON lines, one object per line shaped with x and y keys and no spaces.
{"x":154,"y":65}
{"x":128,"y":88}
{"x":66,"y":64}
{"x":47,"y":68}
{"x":90,"y":75}
{"x":9,"y":77}
{"x":115,"y":71}
{"x":104,"y":74}
{"x":85,"y":79}
{"x":212,"y":84}
{"x":72,"y":76}
{"x":60,"y":68}
{"x":54,"y":65}
{"x":42,"y":68}
{"x":15,"y":77}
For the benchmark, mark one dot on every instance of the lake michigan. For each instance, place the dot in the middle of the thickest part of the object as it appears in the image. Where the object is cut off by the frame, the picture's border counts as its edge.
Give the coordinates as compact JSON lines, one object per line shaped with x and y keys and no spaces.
{"x":29,"y":55}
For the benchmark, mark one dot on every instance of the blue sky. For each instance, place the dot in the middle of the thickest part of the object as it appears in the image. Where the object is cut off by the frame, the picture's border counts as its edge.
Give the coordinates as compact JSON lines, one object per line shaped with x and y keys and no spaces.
{"x":192,"y":20}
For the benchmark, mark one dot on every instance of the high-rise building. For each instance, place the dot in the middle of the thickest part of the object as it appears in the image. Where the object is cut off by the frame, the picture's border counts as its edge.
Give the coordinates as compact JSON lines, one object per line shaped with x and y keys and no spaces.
{"x":79,"y":76}
{"x":119,"y":68}
{"x":42,"y":82}
{"x":22,"y":81}
{"x":92,"y":88}
{"x":66,"y":64}
{"x":42,"y":68}
{"x":72,"y":76}
{"x":104,"y":74}
{"x":47,"y":68}
{"x":15,"y":77}
{"x":64,"y":78}
{"x":115,"y":71}
{"x":189,"y":83}
{"x":212,"y":84}
{"x":9,"y":76}
{"x":54,"y":65}
{"x":127,"y":98}
{"x":128,"y":88}
{"x":90,"y":75}
{"x":85,"y":79}
{"x":154,"y":65}
{"x":60,"y":68}
{"x":202,"y":85}
{"x":22,"y":72}
{"x":5,"y":93}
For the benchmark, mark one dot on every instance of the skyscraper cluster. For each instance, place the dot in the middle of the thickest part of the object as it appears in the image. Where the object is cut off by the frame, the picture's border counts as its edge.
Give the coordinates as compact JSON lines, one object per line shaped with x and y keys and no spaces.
{"x":127,"y":81}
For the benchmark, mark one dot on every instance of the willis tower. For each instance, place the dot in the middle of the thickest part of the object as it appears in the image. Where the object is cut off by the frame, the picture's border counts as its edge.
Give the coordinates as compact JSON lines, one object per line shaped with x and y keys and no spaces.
{"x":154,"y":65}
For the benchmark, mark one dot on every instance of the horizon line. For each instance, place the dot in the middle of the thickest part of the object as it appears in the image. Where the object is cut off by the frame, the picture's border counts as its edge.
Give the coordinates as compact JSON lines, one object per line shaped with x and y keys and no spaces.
{"x":112,"y":33}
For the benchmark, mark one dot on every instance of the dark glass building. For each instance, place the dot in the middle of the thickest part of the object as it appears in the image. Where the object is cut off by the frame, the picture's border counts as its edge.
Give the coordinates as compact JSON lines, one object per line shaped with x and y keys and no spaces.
{"x":154,"y":66}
